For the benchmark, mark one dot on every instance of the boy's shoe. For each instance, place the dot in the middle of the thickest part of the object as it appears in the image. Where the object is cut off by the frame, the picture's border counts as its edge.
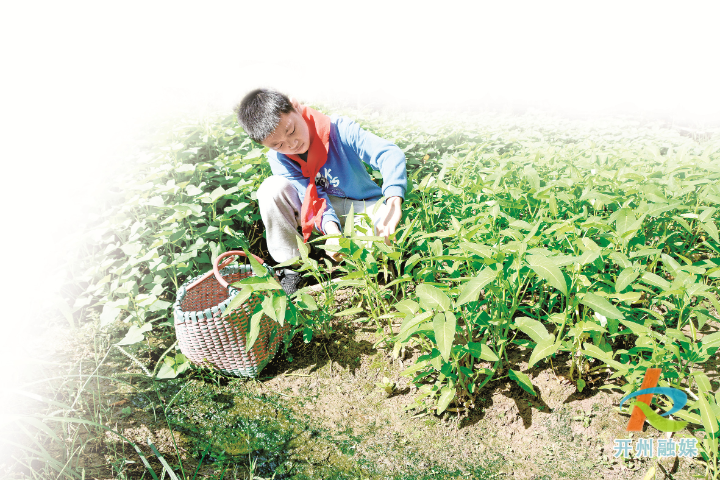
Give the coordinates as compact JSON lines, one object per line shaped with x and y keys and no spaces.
{"x":290,"y":280}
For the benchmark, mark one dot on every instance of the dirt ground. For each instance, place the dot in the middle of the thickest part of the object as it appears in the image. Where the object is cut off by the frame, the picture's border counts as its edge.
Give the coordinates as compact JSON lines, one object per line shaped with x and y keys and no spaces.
{"x":561,"y":433}
{"x":327,"y":411}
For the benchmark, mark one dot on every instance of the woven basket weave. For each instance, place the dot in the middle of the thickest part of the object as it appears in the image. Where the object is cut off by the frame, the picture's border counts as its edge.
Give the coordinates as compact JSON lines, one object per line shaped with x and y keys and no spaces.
{"x":208,"y":340}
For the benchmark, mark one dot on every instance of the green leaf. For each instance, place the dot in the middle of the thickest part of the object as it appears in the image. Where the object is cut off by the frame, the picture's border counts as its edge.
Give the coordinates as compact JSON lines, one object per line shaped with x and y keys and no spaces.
{"x":592,"y":351}
{"x":546,"y":269}
{"x":216,"y":194}
{"x":267,"y":307}
{"x":624,"y":221}
{"x":711,"y":229}
{"x":707,"y":214}
{"x":444,"y":326}
{"x":135,"y":334}
{"x":411,"y":262}
{"x":629,"y":297}
{"x":482,"y":351}
{"x":522,"y":380}
{"x":601,"y":305}
{"x":708,"y":417}
{"x":351,"y":283}
{"x":254,"y":153}
{"x":287,"y":263}
{"x":159,"y":305}
{"x":275,"y":307}
{"x":703,"y":382}
{"x":349,"y":311}
{"x":543,"y":349}
{"x":713,"y":300}
{"x":520,"y":224}
{"x":307,"y":302}
{"x":238,"y":300}
{"x":108,"y":315}
{"x":533,"y":329}
{"x":621,"y":259}
{"x":636,"y":328}
{"x":412,"y":321}
{"x":645,"y":252}
{"x":478,"y":249}
{"x":432,"y":297}
{"x":655,"y":280}
{"x":626,"y":277}
{"x":470,"y":291}
{"x":144,"y":300}
{"x":411,"y":370}
{"x":304,"y":249}
{"x":258,"y":283}
{"x":254,"y":330}
{"x":279,"y":304}
{"x":586,"y":258}
{"x":684,"y":223}
{"x":408,"y":307}
{"x":671,"y":264}
{"x":446,"y":396}
{"x":307,"y":334}
{"x":192,"y":190}
{"x":553,"y":204}
{"x":166,"y":371}
{"x":156,"y":201}
{"x":710,"y":341}
{"x":580,"y":384}
{"x":257,"y":269}
{"x":702,"y":318}
{"x":690,"y":417}
{"x":132,"y":249}
{"x":466,"y":371}
{"x":590,"y":245}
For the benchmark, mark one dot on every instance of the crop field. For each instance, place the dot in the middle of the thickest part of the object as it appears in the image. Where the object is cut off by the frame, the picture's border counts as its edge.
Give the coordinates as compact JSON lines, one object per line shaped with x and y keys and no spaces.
{"x":541,"y":267}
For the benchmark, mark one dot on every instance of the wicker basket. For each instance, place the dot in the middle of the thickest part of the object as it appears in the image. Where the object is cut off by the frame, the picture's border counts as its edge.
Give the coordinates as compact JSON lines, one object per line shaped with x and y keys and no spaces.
{"x":208,"y":340}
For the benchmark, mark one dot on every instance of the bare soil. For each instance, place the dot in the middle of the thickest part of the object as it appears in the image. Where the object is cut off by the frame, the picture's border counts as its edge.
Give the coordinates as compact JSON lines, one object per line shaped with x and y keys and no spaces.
{"x":334,"y":419}
{"x":561,"y":433}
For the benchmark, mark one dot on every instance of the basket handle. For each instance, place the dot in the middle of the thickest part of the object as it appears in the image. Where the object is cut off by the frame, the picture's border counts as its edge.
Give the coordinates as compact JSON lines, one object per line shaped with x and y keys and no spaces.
{"x":216,"y":269}
{"x":234,"y":253}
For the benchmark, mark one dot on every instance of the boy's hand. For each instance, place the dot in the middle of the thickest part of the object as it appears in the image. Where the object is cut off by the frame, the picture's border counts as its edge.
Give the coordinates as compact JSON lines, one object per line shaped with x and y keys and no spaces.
{"x":333,"y":228}
{"x":387,"y":225}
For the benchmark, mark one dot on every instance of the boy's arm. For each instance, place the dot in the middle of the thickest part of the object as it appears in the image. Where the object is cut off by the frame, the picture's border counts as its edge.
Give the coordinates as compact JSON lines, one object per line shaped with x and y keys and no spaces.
{"x":377,"y":152}
{"x":386,"y":157}
{"x":283,"y":166}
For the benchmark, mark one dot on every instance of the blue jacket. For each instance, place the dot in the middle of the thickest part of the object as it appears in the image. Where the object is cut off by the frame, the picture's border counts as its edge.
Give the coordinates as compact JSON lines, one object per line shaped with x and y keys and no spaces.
{"x":344,"y":175}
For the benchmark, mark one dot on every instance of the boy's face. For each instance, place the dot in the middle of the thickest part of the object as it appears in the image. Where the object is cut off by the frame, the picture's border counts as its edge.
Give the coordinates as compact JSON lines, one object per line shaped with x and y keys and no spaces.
{"x":291,"y":136}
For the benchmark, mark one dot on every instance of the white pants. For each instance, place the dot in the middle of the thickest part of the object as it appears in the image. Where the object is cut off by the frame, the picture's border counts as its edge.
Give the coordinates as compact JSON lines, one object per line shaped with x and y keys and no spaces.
{"x":280,"y":210}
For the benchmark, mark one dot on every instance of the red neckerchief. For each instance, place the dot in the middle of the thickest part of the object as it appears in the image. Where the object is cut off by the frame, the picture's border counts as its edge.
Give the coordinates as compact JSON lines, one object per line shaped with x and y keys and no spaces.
{"x":313,"y":206}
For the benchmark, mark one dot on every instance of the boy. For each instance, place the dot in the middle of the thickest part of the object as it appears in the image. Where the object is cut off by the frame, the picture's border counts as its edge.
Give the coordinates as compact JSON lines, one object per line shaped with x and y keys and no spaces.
{"x":305,"y":144}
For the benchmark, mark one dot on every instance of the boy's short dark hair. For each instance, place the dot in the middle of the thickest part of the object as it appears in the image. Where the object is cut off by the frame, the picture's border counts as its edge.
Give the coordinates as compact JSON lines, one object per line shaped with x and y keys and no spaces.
{"x":259,"y":112}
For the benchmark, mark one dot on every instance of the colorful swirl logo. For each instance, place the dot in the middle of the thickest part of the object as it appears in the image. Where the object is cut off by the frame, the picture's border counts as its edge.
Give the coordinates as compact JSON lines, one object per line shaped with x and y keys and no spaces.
{"x":642,"y":410}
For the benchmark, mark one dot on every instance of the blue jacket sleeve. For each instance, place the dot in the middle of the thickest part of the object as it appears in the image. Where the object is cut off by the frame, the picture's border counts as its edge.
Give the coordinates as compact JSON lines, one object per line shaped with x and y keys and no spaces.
{"x":283,"y":166}
{"x":377,"y":152}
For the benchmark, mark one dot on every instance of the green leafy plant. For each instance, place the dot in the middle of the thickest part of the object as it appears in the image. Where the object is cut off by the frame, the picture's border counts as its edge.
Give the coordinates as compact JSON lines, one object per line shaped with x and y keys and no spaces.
{"x":589,"y":244}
